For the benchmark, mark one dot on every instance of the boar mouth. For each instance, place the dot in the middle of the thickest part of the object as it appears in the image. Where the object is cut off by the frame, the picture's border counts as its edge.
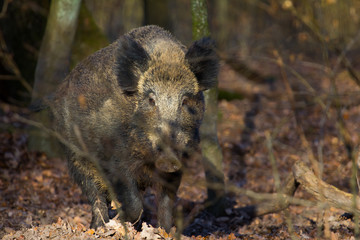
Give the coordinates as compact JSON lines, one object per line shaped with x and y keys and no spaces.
{"x":167,"y":161}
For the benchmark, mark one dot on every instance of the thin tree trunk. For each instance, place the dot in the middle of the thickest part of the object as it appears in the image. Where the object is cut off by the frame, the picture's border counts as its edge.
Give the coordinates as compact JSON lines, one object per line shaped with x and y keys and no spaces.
{"x":212,"y":155}
{"x":54,"y":57}
{"x":157,"y":12}
{"x":116,"y":17}
{"x":53,"y":64}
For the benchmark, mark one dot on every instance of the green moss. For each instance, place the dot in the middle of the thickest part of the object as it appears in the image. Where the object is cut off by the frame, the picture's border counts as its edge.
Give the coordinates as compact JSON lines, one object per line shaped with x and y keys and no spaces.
{"x":226,"y":95}
{"x":88,"y":37}
{"x":199,"y":19}
{"x":220,"y":116}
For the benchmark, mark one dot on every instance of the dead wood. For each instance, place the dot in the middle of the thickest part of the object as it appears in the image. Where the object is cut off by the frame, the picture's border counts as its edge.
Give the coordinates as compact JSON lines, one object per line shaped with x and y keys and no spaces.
{"x":303,"y":176}
{"x":325,"y":192}
{"x":280,"y":203}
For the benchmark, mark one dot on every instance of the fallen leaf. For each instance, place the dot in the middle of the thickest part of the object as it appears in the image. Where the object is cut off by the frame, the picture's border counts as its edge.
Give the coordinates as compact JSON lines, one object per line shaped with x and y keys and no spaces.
{"x":91,"y":231}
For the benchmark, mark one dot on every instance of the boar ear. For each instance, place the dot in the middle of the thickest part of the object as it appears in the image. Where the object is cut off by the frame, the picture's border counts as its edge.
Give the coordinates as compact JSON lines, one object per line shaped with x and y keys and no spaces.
{"x":132,"y":60}
{"x":204,"y":62}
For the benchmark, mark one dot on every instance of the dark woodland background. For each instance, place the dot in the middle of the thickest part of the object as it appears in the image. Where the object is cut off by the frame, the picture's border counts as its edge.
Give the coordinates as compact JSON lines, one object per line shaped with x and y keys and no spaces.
{"x":288,"y":91}
{"x":304,"y":30}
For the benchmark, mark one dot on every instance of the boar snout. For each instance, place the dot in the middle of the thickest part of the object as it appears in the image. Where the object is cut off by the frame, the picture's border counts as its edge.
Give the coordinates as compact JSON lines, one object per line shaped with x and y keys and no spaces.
{"x":167,"y":161}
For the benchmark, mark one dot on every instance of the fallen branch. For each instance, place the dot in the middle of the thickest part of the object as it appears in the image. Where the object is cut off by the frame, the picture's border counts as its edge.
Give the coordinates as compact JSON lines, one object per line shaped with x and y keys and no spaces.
{"x":301,"y":176}
{"x":281,"y":203}
{"x":325,"y":192}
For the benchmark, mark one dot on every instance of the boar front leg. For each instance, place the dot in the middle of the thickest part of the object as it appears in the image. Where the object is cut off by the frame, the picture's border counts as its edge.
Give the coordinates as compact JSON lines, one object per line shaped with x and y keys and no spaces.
{"x":129,"y":196}
{"x":100,"y":214}
{"x":170,"y":183}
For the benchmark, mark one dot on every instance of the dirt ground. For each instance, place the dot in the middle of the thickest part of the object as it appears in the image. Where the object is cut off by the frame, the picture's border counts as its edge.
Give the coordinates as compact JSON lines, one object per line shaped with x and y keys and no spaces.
{"x":38,"y":200}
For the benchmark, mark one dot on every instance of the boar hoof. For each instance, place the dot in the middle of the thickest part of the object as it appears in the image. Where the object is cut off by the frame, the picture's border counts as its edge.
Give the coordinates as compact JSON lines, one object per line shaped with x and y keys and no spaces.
{"x":100,"y":214}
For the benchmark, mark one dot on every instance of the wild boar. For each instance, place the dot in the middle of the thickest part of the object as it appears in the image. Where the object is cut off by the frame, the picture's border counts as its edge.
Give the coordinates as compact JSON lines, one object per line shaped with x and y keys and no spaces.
{"x":135,"y":107}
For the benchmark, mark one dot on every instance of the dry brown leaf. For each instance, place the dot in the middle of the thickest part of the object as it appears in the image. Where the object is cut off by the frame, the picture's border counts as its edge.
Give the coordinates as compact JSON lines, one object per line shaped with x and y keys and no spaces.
{"x":91,"y":231}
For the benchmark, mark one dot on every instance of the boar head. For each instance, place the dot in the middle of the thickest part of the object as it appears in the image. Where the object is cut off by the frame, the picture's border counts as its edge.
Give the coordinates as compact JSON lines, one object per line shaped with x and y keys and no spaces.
{"x":166,"y":83}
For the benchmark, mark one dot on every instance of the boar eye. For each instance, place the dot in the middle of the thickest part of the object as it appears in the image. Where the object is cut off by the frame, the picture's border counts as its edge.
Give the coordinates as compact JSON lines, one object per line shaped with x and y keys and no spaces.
{"x":151,"y":99}
{"x":185,"y":101}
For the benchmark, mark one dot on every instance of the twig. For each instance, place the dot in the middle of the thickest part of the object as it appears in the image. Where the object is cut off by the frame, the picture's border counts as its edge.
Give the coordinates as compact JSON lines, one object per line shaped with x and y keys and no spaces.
{"x":4,"y":8}
{"x":342,"y":55}
{"x":277,"y":182}
{"x":299,"y":128}
{"x":8,"y":77}
{"x":352,"y":72}
{"x":9,"y":63}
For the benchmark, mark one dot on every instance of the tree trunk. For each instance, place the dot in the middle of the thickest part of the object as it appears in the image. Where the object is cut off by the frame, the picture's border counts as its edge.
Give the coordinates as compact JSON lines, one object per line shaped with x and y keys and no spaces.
{"x":212,"y":155}
{"x":53,"y":64}
{"x":222,"y":13}
{"x":157,"y":12}
{"x":54,"y":56}
{"x":116,"y":17}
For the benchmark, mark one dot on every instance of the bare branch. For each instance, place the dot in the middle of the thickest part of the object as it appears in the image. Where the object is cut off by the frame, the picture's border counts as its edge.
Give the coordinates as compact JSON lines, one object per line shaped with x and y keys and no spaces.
{"x":4,"y":8}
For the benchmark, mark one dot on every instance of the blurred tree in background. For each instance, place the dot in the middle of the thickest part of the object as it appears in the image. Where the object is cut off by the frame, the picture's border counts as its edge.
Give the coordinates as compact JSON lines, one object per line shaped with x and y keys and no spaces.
{"x":52,"y":66}
{"x":115,"y":17}
{"x":211,"y":151}
{"x":305,"y":29}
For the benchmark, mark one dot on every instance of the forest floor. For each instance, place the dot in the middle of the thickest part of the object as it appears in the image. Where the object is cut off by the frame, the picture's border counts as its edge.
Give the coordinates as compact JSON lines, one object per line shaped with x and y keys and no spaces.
{"x":38,"y":200}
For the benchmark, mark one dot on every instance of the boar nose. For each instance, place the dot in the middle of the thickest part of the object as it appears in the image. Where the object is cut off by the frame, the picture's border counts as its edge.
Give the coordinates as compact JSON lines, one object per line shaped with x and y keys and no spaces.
{"x":168,"y":161}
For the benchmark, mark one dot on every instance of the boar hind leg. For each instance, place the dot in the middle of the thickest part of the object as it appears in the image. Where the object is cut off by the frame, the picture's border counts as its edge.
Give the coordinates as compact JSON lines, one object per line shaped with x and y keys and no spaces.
{"x":93,"y":186}
{"x":169,"y":185}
